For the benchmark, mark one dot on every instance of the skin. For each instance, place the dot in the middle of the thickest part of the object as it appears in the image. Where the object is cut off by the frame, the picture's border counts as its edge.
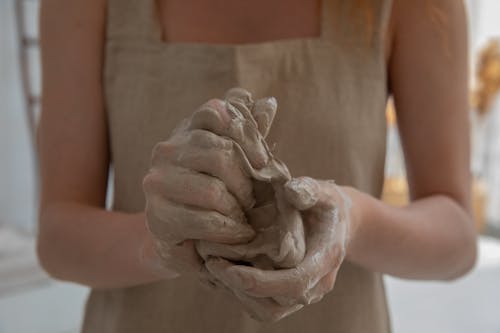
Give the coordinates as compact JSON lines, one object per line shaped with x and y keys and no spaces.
{"x":431,"y":238}
{"x":279,"y":228}
{"x":270,"y":295}
{"x":200,"y":184}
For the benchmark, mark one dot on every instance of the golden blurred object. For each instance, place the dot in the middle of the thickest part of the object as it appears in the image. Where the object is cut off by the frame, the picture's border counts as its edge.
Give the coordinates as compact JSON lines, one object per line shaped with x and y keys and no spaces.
{"x":479,"y":199}
{"x":488,"y":77}
{"x":395,"y":193}
{"x":390,"y":113}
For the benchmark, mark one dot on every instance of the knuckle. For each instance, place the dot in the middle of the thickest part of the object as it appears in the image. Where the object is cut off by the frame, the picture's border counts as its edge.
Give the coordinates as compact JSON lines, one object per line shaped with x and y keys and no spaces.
{"x":215,"y":189}
{"x":226,"y":144}
{"x":198,"y":137}
{"x":241,"y":94}
{"x":221,"y":160}
{"x":150,"y":182}
{"x":162,"y":150}
{"x":206,"y":139}
{"x":214,"y":104}
{"x":205,"y":116}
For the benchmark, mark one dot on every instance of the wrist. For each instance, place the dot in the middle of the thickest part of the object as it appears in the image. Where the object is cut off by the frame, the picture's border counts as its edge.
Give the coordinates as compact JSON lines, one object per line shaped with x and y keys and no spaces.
{"x":151,"y":260}
{"x":355,"y":217}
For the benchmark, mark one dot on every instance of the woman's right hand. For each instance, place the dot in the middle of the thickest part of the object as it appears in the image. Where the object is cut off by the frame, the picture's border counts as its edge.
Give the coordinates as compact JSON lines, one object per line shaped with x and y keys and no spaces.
{"x":197,"y":189}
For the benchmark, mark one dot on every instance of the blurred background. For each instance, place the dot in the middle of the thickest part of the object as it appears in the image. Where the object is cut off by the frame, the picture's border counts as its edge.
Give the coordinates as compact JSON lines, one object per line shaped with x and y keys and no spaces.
{"x":32,"y":302}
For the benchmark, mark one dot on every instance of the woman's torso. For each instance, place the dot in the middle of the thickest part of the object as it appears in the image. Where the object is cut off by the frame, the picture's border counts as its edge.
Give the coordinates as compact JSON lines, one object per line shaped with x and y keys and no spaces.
{"x":330,"y":124}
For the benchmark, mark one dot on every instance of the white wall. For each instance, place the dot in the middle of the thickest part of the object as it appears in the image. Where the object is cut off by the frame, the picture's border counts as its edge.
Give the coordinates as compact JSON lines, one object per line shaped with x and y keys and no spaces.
{"x":484,"y":21}
{"x":17,"y":199}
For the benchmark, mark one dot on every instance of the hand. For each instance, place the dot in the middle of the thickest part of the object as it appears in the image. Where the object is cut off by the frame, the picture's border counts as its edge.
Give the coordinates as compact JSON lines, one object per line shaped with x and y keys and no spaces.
{"x":279,"y":242}
{"x":270,"y":295}
{"x":197,"y":188}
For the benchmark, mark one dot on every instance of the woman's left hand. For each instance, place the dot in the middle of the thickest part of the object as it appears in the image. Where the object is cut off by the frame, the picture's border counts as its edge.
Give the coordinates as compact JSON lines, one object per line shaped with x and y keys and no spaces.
{"x":270,"y":295}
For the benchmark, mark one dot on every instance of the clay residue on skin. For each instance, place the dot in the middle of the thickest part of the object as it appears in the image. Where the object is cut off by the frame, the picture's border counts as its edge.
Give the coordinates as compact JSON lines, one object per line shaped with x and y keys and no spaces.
{"x":280,"y":241}
{"x":222,"y":207}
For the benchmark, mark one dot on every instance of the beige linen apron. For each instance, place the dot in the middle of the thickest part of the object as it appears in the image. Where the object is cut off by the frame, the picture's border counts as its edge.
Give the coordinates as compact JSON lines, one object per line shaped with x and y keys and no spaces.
{"x":330,"y":124}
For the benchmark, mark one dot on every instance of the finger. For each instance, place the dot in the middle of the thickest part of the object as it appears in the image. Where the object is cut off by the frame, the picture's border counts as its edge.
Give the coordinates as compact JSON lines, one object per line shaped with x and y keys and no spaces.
{"x":265,"y":309}
{"x":263,"y":112}
{"x":261,"y":219}
{"x":256,"y":282}
{"x":292,"y":235}
{"x":240,"y":94}
{"x":285,"y":248}
{"x":322,"y":202}
{"x":323,"y":287}
{"x":211,"y":154}
{"x":321,"y":258}
{"x":261,"y":245}
{"x":174,"y":222}
{"x":303,"y":192}
{"x":212,"y":116}
{"x":262,"y":309}
{"x":321,"y":196}
{"x":314,"y":295}
{"x":192,"y":188}
{"x":229,"y":120}
{"x":237,"y":252}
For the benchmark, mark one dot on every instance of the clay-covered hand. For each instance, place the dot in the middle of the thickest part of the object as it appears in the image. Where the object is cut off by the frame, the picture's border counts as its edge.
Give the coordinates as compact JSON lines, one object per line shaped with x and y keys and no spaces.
{"x":270,"y":295}
{"x":279,"y":242}
{"x":197,"y":188}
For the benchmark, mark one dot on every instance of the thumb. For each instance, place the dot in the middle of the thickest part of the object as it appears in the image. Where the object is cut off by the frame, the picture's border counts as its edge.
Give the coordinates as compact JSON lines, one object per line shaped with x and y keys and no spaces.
{"x":305,"y":193}
{"x":302,"y":192}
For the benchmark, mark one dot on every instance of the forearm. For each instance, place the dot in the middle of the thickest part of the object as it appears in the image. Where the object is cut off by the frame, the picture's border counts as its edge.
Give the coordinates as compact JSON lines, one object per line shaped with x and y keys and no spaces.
{"x":431,"y":238}
{"x":94,"y":247}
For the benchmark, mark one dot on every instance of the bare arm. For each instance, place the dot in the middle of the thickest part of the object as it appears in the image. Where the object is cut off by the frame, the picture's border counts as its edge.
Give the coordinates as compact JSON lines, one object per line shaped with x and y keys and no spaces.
{"x":78,"y":239}
{"x":433,"y":237}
